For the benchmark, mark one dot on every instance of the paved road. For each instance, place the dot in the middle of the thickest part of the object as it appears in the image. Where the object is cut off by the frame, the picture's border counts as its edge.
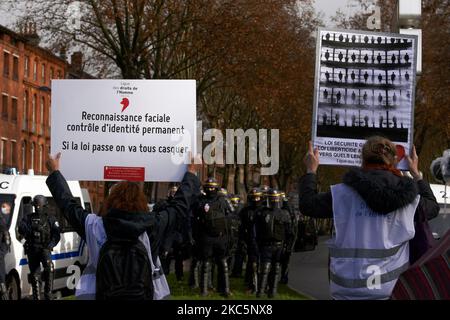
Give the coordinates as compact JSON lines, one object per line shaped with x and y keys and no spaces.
{"x":309,"y":271}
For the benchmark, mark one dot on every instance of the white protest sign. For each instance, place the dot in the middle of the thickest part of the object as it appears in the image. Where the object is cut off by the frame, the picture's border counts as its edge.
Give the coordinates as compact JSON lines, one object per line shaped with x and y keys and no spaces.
{"x":137,"y":130}
{"x":364,"y":86}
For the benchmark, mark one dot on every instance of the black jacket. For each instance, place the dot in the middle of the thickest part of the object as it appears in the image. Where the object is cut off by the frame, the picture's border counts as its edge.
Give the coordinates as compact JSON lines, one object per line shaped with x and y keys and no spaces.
{"x":25,"y":229}
{"x":261,"y":226}
{"x":128,"y":225}
{"x":201,"y":227}
{"x":383,"y":192}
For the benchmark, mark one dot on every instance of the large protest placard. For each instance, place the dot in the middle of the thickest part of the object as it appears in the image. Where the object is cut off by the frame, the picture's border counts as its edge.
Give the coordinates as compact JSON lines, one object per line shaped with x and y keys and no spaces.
{"x":137,"y":130}
{"x":364,"y":86}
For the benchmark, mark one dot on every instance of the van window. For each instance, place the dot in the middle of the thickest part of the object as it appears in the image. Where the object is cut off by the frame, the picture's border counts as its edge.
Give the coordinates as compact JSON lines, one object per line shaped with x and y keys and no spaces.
{"x":7,"y":209}
{"x":25,"y":209}
{"x":54,"y":210}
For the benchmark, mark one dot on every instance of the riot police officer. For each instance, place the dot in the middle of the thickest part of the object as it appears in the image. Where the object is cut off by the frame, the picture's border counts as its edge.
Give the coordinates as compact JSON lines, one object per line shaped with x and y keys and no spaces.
{"x":212,"y":213}
{"x":264,"y":189}
{"x":236,"y":203}
{"x":223,"y":192}
{"x":290,"y":242}
{"x":239,"y":244}
{"x":272,"y":229}
{"x":5,"y":246}
{"x":235,"y":247}
{"x":42,"y":234}
{"x":248,"y":215}
{"x":194,"y":240}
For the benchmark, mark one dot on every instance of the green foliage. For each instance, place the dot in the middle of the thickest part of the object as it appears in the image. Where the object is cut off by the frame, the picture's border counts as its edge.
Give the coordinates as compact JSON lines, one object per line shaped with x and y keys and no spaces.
{"x":181,"y":291}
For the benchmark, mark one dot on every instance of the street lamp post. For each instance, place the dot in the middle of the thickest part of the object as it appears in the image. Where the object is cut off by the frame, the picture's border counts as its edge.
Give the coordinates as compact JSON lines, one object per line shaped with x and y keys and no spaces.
{"x":409,"y":17}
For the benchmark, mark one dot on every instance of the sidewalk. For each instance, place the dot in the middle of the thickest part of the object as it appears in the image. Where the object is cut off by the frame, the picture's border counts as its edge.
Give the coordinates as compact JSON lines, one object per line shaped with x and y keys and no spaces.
{"x":309,"y":272}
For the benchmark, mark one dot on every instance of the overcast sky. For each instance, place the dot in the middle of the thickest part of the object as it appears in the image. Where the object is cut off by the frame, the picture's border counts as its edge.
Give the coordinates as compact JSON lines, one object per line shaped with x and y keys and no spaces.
{"x":328,"y":7}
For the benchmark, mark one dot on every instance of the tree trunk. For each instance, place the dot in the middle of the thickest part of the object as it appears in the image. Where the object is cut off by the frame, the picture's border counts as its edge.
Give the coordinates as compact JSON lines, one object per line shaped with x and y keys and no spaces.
{"x":225,"y":176}
{"x":256,"y":176}
{"x":248,"y":177}
{"x":240,"y":182}
{"x":274,"y":182}
{"x":231,"y":177}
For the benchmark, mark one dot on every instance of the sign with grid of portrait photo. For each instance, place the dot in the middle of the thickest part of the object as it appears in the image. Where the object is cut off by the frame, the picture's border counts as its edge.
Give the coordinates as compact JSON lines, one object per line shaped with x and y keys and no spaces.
{"x":364,"y":86}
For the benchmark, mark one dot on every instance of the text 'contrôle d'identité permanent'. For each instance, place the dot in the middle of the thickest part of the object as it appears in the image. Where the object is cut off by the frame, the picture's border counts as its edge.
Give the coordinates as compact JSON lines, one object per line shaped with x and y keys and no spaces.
{"x":123,"y":123}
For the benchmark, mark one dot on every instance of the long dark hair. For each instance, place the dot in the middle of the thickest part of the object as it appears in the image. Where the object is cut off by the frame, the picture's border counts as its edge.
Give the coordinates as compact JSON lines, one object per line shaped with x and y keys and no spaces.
{"x":126,"y":196}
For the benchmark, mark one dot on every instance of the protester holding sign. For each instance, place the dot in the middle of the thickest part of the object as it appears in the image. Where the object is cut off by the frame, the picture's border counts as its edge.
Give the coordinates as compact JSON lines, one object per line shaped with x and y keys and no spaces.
{"x":120,"y":262}
{"x":151,"y":127}
{"x":374,"y":211}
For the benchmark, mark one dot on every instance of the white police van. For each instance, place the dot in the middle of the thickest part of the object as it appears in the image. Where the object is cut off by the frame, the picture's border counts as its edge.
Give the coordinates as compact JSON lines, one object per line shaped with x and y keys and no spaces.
{"x":18,"y":191}
{"x":441,"y":224}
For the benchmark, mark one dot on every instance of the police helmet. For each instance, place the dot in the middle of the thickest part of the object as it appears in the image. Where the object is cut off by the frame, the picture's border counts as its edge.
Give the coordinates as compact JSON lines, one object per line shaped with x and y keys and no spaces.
{"x":235,"y":199}
{"x":40,"y":201}
{"x":211,"y":185}
{"x":265,"y":189}
{"x":223,"y":192}
{"x":274,"y":197}
{"x":255,"y":194}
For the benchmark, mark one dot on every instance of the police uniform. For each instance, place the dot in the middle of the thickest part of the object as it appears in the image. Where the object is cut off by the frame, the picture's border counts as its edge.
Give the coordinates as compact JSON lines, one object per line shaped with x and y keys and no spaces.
{"x":235,"y":248}
{"x":272,"y":229}
{"x":213,"y":214}
{"x":194,"y":239}
{"x":247,"y":216}
{"x":5,"y":245}
{"x":41,"y":233}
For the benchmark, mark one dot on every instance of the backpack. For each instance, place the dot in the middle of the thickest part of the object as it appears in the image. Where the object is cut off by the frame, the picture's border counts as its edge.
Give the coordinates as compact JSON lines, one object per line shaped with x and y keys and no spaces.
{"x":124,"y":271}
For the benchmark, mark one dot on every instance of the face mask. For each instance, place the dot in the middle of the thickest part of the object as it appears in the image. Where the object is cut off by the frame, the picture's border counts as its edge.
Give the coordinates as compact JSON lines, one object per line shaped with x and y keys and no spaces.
{"x":210,"y":193}
{"x":38,"y":211}
{"x":5,"y":211}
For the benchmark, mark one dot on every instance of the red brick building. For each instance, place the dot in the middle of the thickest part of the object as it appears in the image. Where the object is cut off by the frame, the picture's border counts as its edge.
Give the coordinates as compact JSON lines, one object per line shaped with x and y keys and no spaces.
{"x":26,"y":71}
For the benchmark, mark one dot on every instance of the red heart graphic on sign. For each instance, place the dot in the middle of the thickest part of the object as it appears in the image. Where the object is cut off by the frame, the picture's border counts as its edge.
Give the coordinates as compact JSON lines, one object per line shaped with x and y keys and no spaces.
{"x":125,"y":103}
{"x":400,"y":152}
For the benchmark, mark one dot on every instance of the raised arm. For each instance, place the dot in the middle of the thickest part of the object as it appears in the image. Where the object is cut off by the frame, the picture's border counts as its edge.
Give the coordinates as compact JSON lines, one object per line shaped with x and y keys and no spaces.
{"x":312,"y":203}
{"x":178,"y":207}
{"x":428,"y":201}
{"x":64,"y":199}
